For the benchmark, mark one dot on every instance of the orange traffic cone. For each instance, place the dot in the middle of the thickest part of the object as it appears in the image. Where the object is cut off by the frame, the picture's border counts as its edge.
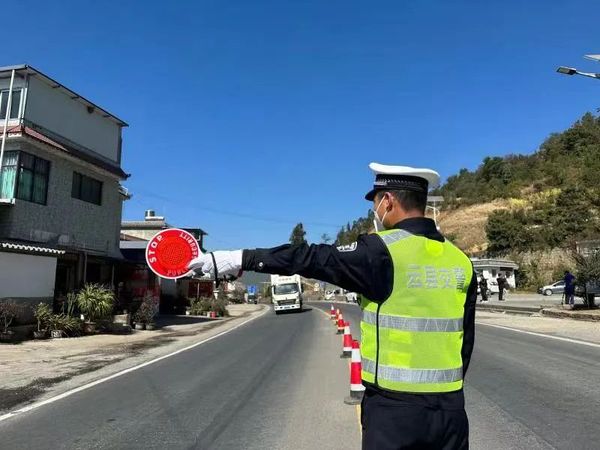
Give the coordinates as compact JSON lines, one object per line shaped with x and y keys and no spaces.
{"x":356,"y":387}
{"x":340,"y":324}
{"x":347,"y":342}
{"x":332,"y":314}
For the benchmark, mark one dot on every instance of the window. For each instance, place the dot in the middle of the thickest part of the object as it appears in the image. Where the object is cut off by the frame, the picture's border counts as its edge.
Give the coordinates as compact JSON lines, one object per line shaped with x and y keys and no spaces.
{"x":284,"y":289}
{"x":32,"y":180}
{"x":16,"y":102}
{"x":8,"y":175}
{"x":86,"y":189}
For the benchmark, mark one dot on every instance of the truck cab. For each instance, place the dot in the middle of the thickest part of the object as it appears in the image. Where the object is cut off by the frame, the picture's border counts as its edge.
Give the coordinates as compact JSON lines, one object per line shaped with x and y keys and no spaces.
{"x":286,"y":293}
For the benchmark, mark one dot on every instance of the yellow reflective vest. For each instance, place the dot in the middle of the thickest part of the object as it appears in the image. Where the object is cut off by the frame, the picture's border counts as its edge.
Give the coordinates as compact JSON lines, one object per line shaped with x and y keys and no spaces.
{"x":412,"y":341}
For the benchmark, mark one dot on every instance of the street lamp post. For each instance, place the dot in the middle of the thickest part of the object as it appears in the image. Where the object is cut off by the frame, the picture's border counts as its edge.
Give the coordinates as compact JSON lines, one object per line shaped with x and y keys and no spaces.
{"x":435,"y":199}
{"x":573,"y":71}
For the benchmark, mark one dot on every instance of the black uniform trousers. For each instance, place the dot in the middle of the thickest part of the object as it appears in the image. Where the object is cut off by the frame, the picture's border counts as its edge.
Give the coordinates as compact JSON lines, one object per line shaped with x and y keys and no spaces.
{"x":391,"y":424}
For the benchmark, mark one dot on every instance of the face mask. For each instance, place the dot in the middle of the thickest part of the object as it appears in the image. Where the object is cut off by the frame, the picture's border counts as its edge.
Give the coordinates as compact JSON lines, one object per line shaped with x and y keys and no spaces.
{"x":377,"y":222}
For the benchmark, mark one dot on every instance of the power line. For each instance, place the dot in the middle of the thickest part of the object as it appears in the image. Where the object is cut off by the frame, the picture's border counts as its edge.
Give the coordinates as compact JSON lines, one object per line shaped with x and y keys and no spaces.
{"x":185,"y":204}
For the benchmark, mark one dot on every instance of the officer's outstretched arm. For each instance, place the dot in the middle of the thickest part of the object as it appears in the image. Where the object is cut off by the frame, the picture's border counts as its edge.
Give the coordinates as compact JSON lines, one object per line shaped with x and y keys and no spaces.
{"x":364,"y":266}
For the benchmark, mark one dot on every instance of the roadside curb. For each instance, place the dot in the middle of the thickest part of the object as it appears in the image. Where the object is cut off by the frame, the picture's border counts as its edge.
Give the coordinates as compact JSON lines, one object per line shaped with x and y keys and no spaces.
{"x":574,"y":315}
{"x":521,"y":310}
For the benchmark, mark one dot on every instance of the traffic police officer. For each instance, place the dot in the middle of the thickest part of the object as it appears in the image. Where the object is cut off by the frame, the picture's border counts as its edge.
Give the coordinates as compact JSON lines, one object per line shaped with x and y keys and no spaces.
{"x":418,"y":294}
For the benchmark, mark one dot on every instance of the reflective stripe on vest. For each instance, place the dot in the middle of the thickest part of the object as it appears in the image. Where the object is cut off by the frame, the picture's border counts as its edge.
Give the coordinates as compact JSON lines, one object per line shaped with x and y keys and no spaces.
{"x":398,"y":235}
{"x":413,"y":375}
{"x":413,"y":323}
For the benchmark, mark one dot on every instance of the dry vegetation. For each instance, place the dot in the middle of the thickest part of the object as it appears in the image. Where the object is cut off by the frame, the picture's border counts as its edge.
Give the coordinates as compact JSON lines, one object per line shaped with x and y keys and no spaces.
{"x":465,"y":226}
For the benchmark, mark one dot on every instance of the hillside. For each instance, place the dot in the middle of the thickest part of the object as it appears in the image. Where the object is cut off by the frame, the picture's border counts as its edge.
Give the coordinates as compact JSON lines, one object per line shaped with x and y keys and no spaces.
{"x":465,"y":226}
{"x":531,"y":208}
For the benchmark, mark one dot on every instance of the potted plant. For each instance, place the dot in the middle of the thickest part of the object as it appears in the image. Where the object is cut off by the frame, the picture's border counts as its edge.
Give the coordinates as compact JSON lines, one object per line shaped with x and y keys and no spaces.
{"x":138,"y":318}
{"x":41,"y":313}
{"x":55,"y":323}
{"x":96,"y":303}
{"x":144,"y":317}
{"x":149,"y":313}
{"x":8,"y":311}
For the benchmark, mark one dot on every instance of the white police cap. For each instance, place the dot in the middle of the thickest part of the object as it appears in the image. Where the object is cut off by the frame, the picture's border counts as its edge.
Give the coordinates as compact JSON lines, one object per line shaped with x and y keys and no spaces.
{"x":402,"y":178}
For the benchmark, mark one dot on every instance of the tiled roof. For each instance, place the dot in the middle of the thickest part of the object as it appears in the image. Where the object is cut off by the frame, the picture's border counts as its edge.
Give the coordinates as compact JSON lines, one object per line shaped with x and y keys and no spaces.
{"x":25,"y":248}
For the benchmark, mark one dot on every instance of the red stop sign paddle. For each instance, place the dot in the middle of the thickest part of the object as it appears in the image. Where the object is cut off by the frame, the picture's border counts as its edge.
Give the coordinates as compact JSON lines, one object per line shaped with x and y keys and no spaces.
{"x":170,"y":251}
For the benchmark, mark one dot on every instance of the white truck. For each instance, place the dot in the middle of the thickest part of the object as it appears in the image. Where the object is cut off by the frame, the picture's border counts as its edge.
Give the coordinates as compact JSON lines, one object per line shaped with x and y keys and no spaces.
{"x":286,"y":293}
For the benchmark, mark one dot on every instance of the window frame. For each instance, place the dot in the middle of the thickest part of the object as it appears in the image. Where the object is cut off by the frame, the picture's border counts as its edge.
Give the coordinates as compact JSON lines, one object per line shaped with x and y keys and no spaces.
{"x":17,"y":194}
{"x":4,"y":168}
{"x":80,"y":192}
{"x":4,"y":92}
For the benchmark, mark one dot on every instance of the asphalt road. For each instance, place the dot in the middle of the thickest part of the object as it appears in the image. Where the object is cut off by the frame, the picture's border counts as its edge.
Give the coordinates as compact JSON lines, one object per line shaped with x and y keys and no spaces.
{"x":277,"y":383}
{"x":274,"y":383}
{"x":527,"y":392}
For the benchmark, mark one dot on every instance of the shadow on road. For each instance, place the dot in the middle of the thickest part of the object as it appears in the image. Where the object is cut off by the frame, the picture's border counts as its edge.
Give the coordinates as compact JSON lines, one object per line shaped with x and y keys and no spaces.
{"x":166,"y":320}
{"x":293,"y":311}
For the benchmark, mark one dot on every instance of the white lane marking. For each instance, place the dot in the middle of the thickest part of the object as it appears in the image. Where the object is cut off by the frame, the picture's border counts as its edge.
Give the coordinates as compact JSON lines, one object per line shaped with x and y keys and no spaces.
{"x":558,"y":338}
{"x":123,"y":372}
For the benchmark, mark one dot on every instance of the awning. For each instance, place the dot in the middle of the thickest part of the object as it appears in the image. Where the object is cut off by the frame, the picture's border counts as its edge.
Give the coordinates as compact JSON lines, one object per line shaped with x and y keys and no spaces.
{"x":26,"y":248}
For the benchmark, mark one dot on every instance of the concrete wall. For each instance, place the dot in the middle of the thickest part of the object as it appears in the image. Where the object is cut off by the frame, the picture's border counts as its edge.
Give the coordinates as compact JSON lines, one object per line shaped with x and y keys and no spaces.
{"x":64,"y":220}
{"x":26,"y":276}
{"x":54,"y":110}
{"x":142,"y":234}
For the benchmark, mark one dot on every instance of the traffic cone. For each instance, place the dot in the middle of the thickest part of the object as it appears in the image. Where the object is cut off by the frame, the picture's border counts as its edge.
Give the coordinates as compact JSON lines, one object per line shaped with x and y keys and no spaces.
{"x":356,"y":387}
{"x":332,"y":314}
{"x":347,"y":342}
{"x":340,"y":324}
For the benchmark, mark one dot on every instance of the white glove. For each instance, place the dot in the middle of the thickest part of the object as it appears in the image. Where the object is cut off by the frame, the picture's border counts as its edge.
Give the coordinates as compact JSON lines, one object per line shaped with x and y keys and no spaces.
{"x":228,"y":263}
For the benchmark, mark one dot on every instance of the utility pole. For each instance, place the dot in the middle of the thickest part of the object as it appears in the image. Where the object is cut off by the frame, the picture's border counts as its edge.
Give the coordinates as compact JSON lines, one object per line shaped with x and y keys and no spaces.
{"x":6,"y":118}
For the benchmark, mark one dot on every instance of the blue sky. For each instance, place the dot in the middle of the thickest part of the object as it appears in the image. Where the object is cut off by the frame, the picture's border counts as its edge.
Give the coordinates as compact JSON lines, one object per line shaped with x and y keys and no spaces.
{"x":249,"y":116}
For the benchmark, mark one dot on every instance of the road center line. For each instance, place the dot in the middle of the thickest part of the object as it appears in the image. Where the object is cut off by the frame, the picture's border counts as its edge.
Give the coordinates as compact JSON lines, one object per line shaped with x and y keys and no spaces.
{"x":533,"y":333}
{"x":123,"y":372}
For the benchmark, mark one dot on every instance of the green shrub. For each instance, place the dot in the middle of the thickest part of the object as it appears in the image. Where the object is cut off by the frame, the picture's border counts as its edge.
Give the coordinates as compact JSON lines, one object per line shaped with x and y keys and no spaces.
{"x":8,"y":311}
{"x":202,"y":305}
{"x":220,"y":307}
{"x":506,"y":231}
{"x":42,"y":313}
{"x":67,"y":324}
{"x":199,"y":306}
{"x":146,"y":312}
{"x":95,"y":302}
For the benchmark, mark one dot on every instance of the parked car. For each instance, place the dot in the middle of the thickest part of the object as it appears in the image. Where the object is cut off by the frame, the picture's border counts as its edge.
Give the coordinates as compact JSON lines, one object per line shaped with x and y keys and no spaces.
{"x":554,"y":288}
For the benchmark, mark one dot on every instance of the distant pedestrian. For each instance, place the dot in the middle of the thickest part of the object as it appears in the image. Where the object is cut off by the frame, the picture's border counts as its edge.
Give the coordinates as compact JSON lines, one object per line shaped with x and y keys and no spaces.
{"x":501,"y":286}
{"x":569,"y":288}
{"x":483,"y":288}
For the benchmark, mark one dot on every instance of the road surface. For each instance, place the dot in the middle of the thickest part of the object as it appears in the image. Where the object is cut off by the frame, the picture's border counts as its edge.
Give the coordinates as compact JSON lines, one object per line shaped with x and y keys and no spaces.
{"x":278,"y":383}
{"x":274,"y":383}
{"x":528,"y":392}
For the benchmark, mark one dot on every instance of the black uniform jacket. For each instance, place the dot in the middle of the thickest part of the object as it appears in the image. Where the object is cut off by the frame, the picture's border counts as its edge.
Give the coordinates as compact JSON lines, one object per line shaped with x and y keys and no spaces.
{"x":365,"y":267}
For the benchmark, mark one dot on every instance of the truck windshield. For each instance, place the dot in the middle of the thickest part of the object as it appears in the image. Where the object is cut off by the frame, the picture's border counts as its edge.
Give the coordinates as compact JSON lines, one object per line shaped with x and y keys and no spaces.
{"x":288,"y":288}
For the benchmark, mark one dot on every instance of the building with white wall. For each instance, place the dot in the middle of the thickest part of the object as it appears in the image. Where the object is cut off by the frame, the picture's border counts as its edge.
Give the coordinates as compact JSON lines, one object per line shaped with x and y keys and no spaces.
{"x":60,"y":175}
{"x":492,"y":268}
